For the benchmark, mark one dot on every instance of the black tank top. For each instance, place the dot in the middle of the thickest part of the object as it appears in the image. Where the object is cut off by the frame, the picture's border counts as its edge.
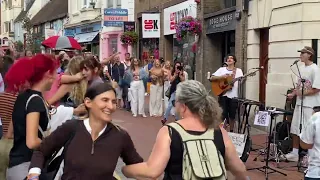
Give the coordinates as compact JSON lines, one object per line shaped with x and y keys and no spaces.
{"x":173,"y":170}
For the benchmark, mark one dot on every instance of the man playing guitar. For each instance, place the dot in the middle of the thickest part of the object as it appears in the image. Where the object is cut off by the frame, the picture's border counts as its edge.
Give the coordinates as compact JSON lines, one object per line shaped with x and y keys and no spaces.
{"x":226,"y":101}
{"x":310,"y":72}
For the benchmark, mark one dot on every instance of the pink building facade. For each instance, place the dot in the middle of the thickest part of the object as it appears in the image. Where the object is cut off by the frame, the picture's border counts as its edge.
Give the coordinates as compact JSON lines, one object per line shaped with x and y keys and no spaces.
{"x":110,"y":43}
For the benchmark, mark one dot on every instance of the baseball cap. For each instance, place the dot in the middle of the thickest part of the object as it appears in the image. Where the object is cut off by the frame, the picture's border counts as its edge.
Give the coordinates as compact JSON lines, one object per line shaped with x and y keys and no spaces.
{"x":307,"y":49}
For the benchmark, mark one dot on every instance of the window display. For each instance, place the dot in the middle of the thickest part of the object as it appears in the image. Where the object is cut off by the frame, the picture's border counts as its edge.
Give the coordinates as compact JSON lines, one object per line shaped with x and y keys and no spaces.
{"x":149,"y":47}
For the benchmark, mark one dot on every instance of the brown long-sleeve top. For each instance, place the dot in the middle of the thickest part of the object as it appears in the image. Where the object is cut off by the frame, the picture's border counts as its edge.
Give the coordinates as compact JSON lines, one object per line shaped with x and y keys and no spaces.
{"x":85,"y":159}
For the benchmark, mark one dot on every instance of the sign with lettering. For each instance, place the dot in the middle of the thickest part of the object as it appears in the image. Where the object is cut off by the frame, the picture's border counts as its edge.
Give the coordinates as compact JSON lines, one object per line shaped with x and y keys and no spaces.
{"x":129,"y":26}
{"x":151,"y":25}
{"x":114,"y":17}
{"x":173,"y":14}
{"x":239,"y":141}
{"x":221,"y":23}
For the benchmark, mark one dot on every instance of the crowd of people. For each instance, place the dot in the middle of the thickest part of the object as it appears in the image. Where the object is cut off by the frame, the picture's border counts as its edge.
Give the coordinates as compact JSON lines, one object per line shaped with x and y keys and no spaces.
{"x":63,"y":101}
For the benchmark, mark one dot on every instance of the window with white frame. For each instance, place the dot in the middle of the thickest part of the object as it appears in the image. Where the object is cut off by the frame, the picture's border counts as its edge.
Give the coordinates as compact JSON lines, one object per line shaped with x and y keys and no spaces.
{"x":85,"y":3}
{"x":113,"y":3}
{"x":109,"y":3}
{"x":118,"y":3}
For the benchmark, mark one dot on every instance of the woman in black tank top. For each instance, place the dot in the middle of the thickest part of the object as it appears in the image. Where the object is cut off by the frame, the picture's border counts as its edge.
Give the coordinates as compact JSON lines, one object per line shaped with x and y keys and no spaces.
{"x":200,"y":114}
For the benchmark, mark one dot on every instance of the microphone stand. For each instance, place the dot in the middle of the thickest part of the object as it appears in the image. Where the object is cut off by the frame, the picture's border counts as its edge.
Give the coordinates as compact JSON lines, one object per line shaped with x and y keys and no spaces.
{"x":301,"y":112}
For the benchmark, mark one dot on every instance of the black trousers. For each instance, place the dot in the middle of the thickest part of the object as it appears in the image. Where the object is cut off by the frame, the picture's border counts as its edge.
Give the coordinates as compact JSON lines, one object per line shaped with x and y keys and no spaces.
{"x":125,"y":91}
{"x":229,"y":107}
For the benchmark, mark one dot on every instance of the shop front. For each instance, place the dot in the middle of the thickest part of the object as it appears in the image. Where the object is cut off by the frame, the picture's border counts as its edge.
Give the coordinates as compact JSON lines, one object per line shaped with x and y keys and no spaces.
{"x":221,"y":31}
{"x":86,"y":35}
{"x":150,"y":33}
{"x":181,"y":50}
{"x":115,"y":23}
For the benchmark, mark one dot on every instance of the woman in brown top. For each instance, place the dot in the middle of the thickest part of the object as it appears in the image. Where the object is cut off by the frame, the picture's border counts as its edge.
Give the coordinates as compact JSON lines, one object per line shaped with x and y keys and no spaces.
{"x":96,"y":145}
{"x":156,"y":89}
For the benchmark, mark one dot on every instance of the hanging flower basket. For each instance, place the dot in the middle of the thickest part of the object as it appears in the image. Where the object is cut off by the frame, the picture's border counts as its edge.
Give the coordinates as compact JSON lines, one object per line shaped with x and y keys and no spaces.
{"x":188,"y":26}
{"x":129,"y":37}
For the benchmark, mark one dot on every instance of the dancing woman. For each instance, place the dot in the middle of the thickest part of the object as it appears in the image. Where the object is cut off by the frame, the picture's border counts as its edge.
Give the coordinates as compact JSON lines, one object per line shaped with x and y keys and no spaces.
{"x":201,"y":116}
{"x":30,"y":77}
{"x":97,"y":144}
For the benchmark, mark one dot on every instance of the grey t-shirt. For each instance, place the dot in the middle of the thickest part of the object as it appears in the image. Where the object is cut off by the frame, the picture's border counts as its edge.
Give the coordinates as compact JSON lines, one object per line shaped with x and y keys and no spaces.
{"x":95,"y":81}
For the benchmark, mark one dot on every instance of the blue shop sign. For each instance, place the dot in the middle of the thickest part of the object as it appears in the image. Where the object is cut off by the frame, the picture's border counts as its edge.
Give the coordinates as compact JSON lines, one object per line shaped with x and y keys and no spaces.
{"x":69,"y":32}
{"x":88,"y":28}
{"x":115,"y":17}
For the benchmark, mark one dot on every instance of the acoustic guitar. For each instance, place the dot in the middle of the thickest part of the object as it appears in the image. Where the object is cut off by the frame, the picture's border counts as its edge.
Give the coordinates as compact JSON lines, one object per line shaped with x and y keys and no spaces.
{"x":219,"y":87}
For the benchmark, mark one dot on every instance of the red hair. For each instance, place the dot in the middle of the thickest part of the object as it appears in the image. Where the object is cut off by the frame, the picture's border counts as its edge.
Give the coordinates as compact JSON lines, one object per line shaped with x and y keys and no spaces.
{"x":27,"y":72}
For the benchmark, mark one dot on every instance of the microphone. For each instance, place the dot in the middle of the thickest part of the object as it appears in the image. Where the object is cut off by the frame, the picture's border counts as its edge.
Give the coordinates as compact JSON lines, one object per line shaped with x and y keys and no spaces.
{"x":295,"y":62}
{"x":259,"y":67}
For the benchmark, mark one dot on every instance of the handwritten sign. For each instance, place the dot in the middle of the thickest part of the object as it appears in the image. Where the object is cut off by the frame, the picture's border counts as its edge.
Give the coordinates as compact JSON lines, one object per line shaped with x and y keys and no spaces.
{"x":262,"y":118}
{"x":239,"y":141}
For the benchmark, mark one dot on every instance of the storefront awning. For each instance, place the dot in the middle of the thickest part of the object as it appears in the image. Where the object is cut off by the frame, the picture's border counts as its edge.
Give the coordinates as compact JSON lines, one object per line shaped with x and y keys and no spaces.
{"x":86,"y":37}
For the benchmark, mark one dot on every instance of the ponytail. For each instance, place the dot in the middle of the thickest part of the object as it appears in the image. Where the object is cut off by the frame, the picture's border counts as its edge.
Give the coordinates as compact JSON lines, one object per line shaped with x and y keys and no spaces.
{"x":26,"y":72}
{"x":210,"y":113}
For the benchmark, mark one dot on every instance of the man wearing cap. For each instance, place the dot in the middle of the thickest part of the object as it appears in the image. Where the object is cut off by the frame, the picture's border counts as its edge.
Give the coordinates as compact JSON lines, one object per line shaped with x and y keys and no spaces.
{"x":226,"y":101}
{"x":310,"y":73}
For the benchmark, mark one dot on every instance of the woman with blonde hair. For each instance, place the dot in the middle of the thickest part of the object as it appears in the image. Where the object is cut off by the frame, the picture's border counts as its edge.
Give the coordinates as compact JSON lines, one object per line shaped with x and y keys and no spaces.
{"x":136,"y":76}
{"x":156,"y":89}
{"x":201,"y":116}
{"x":71,"y":94}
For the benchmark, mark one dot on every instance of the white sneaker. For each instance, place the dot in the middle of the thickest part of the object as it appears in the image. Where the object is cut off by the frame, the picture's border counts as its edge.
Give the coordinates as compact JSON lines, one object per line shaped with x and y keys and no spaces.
{"x":292,"y":157}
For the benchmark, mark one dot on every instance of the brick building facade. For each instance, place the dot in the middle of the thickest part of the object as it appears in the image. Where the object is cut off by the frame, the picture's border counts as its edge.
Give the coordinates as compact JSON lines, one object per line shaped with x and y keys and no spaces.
{"x":211,"y":47}
{"x":224,"y":32}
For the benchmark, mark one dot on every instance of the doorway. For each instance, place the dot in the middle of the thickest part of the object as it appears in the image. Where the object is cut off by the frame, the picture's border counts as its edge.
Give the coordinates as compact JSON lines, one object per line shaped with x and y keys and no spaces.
{"x":228,"y":44}
{"x":263,"y":61}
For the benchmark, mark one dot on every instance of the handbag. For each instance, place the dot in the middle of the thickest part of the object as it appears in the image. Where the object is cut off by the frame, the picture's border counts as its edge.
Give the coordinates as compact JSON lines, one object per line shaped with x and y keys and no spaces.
{"x":167,"y":93}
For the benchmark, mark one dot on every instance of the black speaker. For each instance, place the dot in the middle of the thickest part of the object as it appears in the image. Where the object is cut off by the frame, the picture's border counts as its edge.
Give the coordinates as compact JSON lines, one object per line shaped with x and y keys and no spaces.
{"x":245,"y":5}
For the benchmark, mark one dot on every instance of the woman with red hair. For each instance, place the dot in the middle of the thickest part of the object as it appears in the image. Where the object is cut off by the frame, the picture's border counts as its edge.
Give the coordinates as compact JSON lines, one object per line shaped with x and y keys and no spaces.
{"x":30,"y":116}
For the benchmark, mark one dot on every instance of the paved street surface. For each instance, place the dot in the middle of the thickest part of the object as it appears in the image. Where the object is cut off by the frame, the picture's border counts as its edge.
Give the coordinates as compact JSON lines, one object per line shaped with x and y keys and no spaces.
{"x":143,"y":132}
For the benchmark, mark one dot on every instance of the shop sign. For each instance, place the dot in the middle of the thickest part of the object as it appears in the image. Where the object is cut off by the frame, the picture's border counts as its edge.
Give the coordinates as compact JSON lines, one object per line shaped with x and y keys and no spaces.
{"x":69,"y":32}
{"x":151,"y":25}
{"x":129,"y":26}
{"x":221,"y":23}
{"x":114,"y":17}
{"x":173,"y":14}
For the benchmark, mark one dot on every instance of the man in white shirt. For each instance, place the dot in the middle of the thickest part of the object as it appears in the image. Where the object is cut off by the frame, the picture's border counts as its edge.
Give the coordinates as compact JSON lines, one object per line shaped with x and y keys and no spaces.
{"x":310,"y":140}
{"x":226,"y":101}
{"x":310,"y":73}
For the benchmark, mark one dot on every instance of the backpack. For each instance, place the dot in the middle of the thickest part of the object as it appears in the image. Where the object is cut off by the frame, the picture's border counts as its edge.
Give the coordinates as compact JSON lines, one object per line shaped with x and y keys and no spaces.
{"x":201,"y":158}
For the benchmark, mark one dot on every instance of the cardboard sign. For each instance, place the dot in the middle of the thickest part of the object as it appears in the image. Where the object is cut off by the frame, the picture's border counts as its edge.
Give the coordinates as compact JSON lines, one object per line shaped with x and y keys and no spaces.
{"x":239,"y":141}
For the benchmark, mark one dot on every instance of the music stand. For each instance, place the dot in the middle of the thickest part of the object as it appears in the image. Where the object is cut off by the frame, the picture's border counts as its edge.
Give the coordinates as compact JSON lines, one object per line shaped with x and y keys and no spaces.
{"x":266,"y":167}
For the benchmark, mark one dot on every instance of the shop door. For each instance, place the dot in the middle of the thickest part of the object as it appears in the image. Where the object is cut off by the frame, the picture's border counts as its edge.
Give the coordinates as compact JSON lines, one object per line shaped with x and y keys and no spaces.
{"x":264,"y":58}
{"x":228,"y":44}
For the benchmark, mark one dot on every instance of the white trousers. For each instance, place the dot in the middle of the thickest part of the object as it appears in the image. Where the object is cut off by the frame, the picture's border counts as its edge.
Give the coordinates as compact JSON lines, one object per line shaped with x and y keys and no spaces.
{"x":155,"y":103}
{"x":136,"y":96}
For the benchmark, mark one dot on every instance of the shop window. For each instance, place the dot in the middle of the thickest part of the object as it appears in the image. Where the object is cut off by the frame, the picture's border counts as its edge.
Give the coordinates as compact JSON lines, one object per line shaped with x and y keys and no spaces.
{"x":149,"y":47}
{"x":118,"y":3}
{"x":113,"y":45}
{"x":109,"y":3}
{"x":51,"y":25}
{"x":229,"y":3}
{"x":228,"y":44}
